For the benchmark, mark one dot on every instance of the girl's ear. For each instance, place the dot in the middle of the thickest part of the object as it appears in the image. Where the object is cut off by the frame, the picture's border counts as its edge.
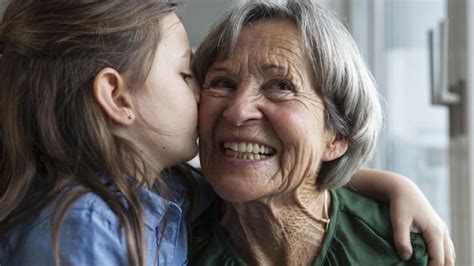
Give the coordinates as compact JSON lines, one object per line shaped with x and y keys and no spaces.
{"x":334,"y":148}
{"x":109,"y":93}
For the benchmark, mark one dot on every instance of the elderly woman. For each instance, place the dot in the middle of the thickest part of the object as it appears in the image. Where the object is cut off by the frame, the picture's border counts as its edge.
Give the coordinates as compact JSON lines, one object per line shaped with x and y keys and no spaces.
{"x":288,"y":112}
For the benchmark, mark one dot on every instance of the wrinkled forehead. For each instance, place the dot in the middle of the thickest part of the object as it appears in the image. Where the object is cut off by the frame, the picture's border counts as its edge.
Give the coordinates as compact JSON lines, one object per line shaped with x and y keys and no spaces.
{"x":275,"y":41}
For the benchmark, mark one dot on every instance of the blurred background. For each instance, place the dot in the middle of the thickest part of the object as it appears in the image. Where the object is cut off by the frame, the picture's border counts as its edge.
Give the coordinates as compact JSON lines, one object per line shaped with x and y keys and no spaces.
{"x":426,"y":136}
{"x":428,"y":133}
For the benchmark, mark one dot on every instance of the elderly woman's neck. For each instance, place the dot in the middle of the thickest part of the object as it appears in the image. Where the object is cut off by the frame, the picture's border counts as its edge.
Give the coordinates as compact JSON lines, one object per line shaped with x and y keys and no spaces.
{"x":287,"y":229}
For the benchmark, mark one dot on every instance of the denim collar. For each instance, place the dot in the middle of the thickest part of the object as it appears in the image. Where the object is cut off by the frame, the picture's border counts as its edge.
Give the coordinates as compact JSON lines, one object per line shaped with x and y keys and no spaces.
{"x":154,"y":205}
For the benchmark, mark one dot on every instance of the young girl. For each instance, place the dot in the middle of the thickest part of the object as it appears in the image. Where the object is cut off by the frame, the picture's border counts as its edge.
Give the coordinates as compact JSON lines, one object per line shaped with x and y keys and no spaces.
{"x":96,"y":100}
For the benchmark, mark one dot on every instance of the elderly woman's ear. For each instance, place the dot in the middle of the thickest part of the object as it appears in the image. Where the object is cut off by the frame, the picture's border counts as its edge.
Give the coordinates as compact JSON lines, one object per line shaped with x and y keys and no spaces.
{"x":334,"y":148}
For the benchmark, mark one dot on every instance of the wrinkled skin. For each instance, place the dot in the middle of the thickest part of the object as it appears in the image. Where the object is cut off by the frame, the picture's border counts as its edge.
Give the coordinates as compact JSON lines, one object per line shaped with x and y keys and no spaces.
{"x":265,"y":94}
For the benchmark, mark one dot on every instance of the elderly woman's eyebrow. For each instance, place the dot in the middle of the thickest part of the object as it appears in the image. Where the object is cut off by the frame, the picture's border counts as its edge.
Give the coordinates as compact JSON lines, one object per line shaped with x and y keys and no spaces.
{"x":219,"y":69}
{"x":271,"y":68}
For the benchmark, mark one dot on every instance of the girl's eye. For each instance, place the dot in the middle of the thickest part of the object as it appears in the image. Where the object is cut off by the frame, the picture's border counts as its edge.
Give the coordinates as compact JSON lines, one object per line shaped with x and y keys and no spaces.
{"x":222,"y":84}
{"x":279,"y":85}
{"x":187,"y":76}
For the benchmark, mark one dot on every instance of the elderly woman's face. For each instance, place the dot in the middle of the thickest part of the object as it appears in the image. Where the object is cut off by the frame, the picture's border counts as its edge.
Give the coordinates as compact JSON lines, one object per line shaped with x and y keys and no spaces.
{"x":261,"y":121}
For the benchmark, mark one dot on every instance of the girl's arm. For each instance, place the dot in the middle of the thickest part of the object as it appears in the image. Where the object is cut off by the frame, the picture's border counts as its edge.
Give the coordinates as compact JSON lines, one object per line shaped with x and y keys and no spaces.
{"x":409,"y":211}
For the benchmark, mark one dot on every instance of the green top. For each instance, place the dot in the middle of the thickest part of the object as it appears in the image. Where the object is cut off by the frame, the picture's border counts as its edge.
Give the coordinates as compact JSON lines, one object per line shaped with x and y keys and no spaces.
{"x":359,"y":233}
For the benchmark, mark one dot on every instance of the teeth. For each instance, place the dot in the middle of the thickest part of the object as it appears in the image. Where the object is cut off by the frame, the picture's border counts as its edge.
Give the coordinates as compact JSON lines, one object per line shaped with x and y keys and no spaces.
{"x":242,"y":147}
{"x":247,"y":151}
{"x":256,"y":148}
{"x":244,"y":155}
{"x":249,"y":148}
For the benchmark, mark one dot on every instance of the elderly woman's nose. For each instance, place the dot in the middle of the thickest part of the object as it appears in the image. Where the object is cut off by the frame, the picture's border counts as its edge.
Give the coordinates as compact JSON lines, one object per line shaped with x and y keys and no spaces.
{"x":242,"y":108}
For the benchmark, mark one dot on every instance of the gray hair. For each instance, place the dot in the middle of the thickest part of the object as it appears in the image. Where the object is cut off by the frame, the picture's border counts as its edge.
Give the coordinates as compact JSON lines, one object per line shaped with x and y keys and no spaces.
{"x":343,"y":80}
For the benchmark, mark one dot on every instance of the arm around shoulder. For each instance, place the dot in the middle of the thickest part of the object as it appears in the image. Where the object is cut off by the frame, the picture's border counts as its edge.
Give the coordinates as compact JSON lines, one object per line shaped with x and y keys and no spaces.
{"x":409,"y":211}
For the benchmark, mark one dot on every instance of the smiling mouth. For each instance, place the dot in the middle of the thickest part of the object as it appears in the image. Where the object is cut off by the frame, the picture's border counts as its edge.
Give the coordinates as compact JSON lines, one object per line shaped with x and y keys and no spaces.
{"x":247,"y":151}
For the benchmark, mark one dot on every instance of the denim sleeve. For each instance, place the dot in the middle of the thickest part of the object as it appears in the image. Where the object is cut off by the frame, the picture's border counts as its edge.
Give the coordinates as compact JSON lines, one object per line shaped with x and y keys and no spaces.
{"x":88,"y":237}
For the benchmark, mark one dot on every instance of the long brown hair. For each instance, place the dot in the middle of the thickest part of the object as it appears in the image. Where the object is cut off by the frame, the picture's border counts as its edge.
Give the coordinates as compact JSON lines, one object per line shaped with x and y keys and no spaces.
{"x":52,"y":133}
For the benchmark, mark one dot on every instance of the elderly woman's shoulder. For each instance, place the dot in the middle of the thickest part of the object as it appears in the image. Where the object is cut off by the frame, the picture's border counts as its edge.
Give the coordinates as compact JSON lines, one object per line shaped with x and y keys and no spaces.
{"x":368,"y":211}
{"x":360,"y":229}
{"x":359,"y":233}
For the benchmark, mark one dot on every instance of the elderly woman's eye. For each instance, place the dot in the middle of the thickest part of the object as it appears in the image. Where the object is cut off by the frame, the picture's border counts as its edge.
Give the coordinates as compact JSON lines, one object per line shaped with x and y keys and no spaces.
{"x":222,"y":84}
{"x":279,"y":85}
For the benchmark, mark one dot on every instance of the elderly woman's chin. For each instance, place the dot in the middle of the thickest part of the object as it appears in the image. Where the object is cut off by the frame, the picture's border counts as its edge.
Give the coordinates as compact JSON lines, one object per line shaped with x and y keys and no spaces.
{"x":236,"y":192}
{"x":239,"y":187}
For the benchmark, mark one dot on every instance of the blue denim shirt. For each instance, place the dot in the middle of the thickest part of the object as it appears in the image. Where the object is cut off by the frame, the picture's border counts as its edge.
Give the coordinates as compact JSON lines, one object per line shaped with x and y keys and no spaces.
{"x":91,"y":233}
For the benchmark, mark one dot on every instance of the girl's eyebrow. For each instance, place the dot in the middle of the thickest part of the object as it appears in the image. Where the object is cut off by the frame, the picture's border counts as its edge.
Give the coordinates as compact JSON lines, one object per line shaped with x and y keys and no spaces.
{"x":188,"y":53}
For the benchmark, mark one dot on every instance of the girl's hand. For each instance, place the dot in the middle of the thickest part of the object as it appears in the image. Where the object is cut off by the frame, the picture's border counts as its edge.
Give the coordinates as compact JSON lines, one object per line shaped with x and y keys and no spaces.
{"x":410,"y":211}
